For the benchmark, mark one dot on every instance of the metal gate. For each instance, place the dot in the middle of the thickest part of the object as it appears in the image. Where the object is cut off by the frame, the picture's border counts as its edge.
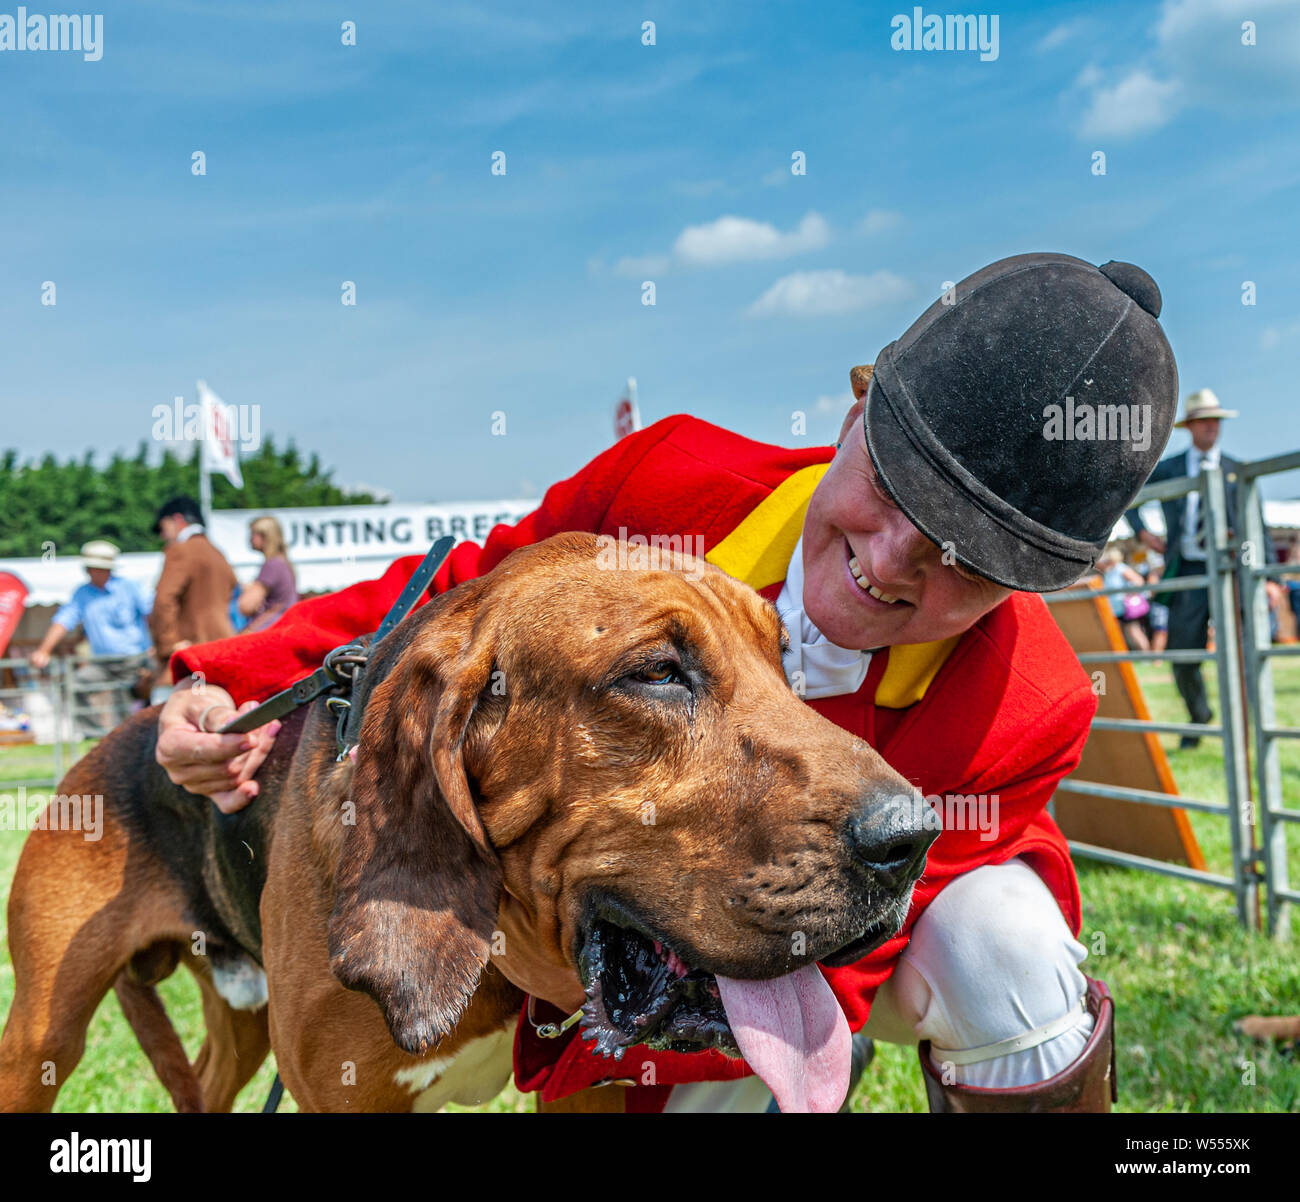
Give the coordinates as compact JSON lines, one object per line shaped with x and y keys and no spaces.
{"x":1235,"y":571}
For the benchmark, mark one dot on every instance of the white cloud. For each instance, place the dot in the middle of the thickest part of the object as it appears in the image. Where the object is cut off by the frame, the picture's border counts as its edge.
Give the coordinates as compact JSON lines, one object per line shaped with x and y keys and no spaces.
{"x":776,"y":177}
{"x":1089,"y":77}
{"x":1137,"y":104}
{"x":740,"y":239}
{"x":729,"y":240}
{"x":823,"y":293}
{"x":1201,"y":40}
{"x":1198,"y":58}
{"x":643,"y":267}
{"x":839,"y":404}
{"x":1275,"y":336}
{"x":877,"y":221}
{"x":1060,"y":34}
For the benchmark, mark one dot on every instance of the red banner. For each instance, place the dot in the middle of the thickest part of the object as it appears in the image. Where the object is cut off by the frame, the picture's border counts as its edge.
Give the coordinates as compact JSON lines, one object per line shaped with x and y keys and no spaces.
{"x":12,"y":592}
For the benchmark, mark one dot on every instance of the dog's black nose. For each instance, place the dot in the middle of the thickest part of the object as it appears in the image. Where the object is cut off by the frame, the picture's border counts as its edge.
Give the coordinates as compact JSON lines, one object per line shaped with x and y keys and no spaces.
{"x":890,"y":836}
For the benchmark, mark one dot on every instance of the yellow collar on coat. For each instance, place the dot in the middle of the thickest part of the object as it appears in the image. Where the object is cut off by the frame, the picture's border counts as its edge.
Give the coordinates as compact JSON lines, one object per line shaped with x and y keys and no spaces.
{"x":758,"y":552}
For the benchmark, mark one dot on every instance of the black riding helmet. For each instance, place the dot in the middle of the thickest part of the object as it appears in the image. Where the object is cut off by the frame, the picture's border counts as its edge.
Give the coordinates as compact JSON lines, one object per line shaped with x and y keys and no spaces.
{"x":1019,"y":416}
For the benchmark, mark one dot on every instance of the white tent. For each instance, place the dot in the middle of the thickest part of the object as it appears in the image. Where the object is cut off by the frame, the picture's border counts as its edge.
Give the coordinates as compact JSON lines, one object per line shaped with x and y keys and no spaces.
{"x":331,"y":547}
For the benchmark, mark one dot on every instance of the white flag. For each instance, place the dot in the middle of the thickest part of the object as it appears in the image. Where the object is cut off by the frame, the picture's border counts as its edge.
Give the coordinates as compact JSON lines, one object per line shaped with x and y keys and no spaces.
{"x":220,"y":448}
{"x":627,"y":416}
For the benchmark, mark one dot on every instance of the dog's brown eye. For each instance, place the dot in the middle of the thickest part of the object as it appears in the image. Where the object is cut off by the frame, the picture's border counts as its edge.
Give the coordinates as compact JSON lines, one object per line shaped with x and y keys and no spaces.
{"x":661,"y":673}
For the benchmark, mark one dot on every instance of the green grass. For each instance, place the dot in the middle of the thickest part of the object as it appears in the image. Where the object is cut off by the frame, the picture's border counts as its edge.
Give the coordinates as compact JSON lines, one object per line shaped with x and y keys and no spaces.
{"x":1179,"y":965}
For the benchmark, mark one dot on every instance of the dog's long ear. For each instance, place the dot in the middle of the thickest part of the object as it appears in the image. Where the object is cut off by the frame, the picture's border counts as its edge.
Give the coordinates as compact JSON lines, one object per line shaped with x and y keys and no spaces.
{"x":418,"y":884}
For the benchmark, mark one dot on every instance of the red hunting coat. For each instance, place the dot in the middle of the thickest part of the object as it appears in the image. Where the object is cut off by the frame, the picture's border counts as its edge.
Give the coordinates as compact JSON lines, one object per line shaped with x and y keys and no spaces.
{"x":1003,"y":709}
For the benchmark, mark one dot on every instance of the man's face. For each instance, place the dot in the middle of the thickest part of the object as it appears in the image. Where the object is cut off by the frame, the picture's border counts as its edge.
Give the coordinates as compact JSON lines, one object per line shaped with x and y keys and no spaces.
{"x":169,"y":527}
{"x":99,"y":576}
{"x":851,"y":518}
{"x":1204,"y":432}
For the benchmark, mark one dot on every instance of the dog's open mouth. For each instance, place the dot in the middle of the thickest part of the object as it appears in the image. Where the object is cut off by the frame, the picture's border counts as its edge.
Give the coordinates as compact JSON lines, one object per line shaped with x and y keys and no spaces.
{"x":639,"y":991}
{"x":790,"y":1029}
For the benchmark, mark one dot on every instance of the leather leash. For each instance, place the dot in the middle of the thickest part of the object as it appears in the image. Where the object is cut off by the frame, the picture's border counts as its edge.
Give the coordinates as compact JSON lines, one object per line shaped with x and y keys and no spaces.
{"x":343,"y":668}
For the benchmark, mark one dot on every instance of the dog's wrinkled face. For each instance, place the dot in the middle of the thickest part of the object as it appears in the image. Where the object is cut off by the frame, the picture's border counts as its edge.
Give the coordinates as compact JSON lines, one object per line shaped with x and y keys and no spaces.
{"x":615,"y":752}
{"x":664,"y":805}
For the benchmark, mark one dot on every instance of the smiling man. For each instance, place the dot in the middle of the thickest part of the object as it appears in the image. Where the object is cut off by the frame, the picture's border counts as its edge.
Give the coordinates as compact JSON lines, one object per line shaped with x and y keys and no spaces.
{"x":903,"y":563}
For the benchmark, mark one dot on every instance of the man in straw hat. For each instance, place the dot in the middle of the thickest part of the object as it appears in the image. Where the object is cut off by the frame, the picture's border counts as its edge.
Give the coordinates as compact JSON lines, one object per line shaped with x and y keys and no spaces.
{"x":1184,"y":543}
{"x":904,"y":562}
{"x":114,"y":615}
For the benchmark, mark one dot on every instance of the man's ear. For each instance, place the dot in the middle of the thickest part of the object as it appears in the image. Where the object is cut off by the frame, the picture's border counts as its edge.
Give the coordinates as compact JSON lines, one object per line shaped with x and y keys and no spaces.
{"x":418,"y":884}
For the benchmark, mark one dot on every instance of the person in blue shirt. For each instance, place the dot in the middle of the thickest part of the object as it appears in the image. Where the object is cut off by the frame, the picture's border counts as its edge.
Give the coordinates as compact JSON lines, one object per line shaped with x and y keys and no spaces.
{"x":113,"y":614}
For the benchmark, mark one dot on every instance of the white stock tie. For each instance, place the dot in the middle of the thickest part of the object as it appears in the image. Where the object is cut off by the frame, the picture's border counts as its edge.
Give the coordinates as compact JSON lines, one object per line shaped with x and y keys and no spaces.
{"x":827,"y":670}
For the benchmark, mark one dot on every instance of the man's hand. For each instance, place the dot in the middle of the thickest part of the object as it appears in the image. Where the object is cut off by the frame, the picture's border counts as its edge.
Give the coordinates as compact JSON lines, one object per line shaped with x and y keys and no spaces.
{"x":217,"y":766}
{"x":39,"y":659}
{"x":1154,"y":541}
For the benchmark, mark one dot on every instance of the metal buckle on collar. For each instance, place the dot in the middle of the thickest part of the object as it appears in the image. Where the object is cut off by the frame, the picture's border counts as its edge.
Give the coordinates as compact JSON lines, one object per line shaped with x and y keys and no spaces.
{"x":341,"y":708}
{"x":344,"y":666}
{"x":550,"y":1030}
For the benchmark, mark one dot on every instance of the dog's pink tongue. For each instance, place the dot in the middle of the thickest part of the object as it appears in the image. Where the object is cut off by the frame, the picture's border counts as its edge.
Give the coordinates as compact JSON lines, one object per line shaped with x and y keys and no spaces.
{"x":794,"y":1035}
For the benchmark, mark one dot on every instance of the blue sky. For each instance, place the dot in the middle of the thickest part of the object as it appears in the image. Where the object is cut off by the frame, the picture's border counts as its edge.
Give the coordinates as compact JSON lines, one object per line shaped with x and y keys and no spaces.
{"x":624,"y":162}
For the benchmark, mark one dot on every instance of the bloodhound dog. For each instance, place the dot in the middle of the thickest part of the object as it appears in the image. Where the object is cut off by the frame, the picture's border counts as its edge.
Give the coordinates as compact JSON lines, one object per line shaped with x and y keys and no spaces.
{"x":615,"y":750}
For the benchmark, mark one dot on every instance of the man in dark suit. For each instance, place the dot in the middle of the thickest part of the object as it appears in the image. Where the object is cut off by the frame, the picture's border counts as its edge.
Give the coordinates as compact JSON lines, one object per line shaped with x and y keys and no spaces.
{"x":1184,"y":543}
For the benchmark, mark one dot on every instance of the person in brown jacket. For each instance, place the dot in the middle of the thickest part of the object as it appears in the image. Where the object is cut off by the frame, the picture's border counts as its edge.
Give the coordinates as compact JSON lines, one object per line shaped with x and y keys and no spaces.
{"x":192,"y":602}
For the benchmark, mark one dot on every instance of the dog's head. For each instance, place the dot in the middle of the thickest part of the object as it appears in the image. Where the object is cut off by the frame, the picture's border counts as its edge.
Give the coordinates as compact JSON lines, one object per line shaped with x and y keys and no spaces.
{"x":616,"y":748}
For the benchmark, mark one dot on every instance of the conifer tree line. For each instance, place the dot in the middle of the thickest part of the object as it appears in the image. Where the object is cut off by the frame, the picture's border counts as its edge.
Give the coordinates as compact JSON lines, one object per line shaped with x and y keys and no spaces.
{"x":44,"y":501}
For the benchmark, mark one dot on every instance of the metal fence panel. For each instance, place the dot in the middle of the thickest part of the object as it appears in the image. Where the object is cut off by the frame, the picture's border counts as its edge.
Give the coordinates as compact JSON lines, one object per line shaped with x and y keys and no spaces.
{"x":1257,"y":641}
{"x":1234,"y":579}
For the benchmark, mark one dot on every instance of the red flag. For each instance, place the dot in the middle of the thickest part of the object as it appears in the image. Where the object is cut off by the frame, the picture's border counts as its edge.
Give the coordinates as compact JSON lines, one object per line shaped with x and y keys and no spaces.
{"x":12,"y":593}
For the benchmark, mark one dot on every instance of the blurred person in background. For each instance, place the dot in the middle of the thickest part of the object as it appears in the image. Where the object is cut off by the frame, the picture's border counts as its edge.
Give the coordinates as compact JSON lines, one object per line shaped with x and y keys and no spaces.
{"x":1287,"y":609}
{"x":114,"y":615}
{"x":275,"y":588}
{"x":193,"y":595}
{"x":1129,"y":608}
{"x":1293,"y":583}
{"x":1158,"y":617}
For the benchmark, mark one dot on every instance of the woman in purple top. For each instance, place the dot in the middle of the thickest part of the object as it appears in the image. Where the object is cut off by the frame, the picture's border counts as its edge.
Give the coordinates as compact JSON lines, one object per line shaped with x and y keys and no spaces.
{"x":274,"y":590}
